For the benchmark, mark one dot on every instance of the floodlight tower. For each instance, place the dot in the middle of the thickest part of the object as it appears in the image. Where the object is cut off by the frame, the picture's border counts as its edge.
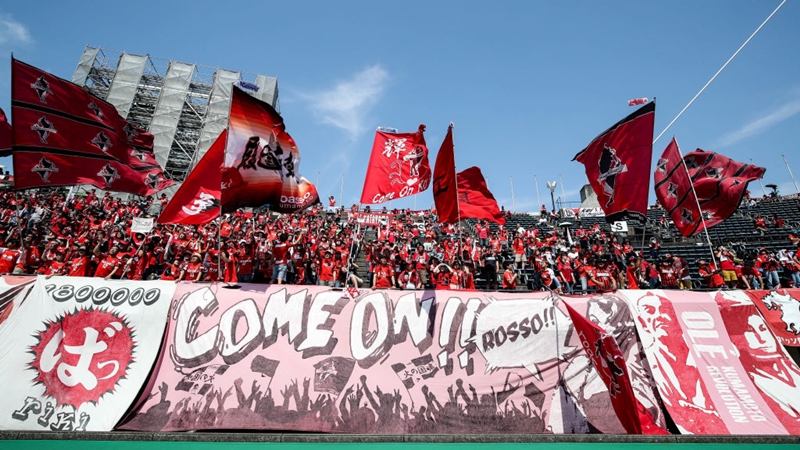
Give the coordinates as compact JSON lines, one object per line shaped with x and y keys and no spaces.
{"x":552,"y":186}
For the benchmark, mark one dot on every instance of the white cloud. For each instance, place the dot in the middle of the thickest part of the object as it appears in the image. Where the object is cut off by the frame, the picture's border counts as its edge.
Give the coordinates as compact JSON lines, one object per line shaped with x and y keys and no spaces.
{"x":12,"y":31}
{"x":761,"y":124}
{"x":347,"y":103}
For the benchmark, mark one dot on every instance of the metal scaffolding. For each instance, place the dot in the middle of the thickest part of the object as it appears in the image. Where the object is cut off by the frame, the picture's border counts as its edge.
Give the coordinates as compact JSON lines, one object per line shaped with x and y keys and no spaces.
{"x":155,"y":95}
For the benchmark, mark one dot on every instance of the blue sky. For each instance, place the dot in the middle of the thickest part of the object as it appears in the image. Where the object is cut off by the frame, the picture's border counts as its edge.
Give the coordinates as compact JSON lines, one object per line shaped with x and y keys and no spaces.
{"x":528,"y":84}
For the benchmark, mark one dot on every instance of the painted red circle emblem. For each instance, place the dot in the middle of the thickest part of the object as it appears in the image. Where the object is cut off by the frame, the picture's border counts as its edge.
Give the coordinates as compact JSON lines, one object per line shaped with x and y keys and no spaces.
{"x":82,"y":355}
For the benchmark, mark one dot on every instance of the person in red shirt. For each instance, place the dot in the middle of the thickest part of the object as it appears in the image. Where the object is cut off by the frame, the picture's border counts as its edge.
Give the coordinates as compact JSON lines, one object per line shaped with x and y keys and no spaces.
{"x":9,"y":257}
{"x":78,"y":266}
{"x":325,"y":270}
{"x":56,"y":266}
{"x":667,"y":275}
{"x":519,"y":251}
{"x":280,"y":256}
{"x":194,"y":270}
{"x":382,"y":275}
{"x":710,"y":274}
{"x":109,"y":265}
{"x":172,"y":271}
{"x":229,"y":263}
{"x":509,"y":278}
{"x":409,"y":278}
{"x":603,"y":278}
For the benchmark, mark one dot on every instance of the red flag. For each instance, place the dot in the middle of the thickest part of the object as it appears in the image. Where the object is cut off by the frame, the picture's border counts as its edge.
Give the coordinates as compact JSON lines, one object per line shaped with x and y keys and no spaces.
{"x":638,"y":101}
{"x":66,"y":136}
{"x":45,"y":169}
{"x":445,"y":189}
{"x":617,"y":164}
{"x":6,"y":138}
{"x":197,"y":201}
{"x":474,"y":199}
{"x":262,"y":161}
{"x":398,"y":167}
{"x":674,"y":190}
{"x":720,"y":183}
{"x":607,"y":359}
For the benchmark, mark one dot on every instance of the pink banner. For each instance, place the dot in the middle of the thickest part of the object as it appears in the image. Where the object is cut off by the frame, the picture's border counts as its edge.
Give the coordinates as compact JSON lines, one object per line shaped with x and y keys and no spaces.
{"x":781,"y":309}
{"x":308,"y":359}
{"x":700,"y":369}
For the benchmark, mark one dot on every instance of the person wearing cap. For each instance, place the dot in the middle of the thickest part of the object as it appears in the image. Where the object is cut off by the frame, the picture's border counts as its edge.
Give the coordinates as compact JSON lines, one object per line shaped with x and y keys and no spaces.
{"x":666,"y":274}
{"x":195,"y":270}
{"x":603,"y":278}
{"x":78,"y":265}
{"x":409,"y":277}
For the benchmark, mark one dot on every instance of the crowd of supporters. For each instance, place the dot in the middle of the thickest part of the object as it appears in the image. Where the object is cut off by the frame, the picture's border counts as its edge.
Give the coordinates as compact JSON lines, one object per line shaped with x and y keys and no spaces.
{"x":51,"y":233}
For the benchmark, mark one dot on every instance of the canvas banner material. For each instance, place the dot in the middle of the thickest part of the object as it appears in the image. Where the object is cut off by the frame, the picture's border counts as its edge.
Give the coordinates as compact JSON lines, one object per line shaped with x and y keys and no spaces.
{"x":717,"y":366}
{"x":311,"y":359}
{"x":781,"y":309}
{"x":77,"y":352}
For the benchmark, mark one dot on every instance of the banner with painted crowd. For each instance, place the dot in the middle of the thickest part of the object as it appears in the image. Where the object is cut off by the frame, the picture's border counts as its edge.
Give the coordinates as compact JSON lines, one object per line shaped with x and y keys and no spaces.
{"x":310,"y":359}
{"x":77,"y":351}
{"x":718,"y":366}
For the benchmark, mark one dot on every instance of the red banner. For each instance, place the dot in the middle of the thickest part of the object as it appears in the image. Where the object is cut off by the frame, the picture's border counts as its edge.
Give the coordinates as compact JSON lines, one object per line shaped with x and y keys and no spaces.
{"x":781,"y":309}
{"x":720,"y":183}
{"x":46,"y":131}
{"x":372,"y":219}
{"x":398,"y":167}
{"x":617,"y":164}
{"x":262,"y":161}
{"x":45,"y":169}
{"x":6,"y":138}
{"x":608,"y":360}
{"x":66,"y":136}
{"x":445,"y":188}
{"x":475,"y":201}
{"x":674,"y":191}
{"x":34,"y":87}
{"x":716,"y":364}
{"x":388,"y":362}
{"x":197,"y":201}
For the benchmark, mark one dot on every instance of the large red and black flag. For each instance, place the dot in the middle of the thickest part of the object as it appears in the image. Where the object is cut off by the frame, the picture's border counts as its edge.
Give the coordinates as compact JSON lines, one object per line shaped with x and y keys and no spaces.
{"x":198,"y":199}
{"x":64,"y":136}
{"x":398,"y":167}
{"x":6,"y":138}
{"x":475,"y":201}
{"x":262,"y":161}
{"x":617,"y":164}
{"x":606,"y":357}
{"x":445,"y":187}
{"x":674,"y":191}
{"x":720,"y":183}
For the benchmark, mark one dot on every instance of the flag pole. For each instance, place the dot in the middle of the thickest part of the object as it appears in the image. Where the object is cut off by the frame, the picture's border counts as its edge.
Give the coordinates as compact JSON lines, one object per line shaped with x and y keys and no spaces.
{"x":341,"y":191}
{"x":719,"y":71}
{"x":763,"y":191}
{"x":536,"y":182}
{"x":796,"y":189}
{"x":697,"y":201}
{"x":513,"y":200}
{"x":458,"y":208}
{"x":563,"y":195}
